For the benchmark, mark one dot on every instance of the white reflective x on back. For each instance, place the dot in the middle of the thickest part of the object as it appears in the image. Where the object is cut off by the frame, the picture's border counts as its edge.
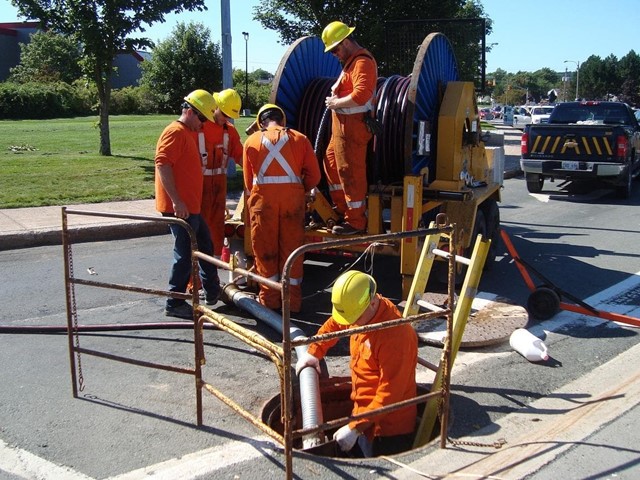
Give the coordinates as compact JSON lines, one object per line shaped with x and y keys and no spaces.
{"x":275,"y":154}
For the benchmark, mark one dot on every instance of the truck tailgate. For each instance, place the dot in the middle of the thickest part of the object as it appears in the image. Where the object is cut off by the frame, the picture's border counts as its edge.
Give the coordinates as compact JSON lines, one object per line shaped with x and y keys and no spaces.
{"x":569,"y":142}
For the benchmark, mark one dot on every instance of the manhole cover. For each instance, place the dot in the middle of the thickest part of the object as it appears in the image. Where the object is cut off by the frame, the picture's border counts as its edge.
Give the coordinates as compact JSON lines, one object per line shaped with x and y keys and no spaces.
{"x":491,"y":321}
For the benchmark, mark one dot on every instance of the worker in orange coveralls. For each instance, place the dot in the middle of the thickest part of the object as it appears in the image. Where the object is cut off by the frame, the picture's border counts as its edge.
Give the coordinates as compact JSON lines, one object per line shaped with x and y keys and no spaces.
{"x":383,"y":367}
{"x":219,"y":143}
{"x":351,"y":101}
{"x":280,"y":168}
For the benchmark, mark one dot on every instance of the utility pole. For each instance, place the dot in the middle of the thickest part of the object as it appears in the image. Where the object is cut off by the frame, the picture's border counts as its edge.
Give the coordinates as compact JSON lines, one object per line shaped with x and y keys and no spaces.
{"x":577,"y":75}
{"x":225,"y":17}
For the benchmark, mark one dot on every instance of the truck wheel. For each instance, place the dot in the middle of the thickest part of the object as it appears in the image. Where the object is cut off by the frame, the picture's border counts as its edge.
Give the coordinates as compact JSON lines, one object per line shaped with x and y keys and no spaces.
{"x":535,"y":182}
{"x":492,"y":217}
{"x":624,"y":191}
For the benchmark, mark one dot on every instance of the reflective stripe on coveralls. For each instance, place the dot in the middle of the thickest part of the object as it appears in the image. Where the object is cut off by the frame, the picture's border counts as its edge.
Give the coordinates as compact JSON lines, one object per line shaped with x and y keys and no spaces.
{"x":292,"y":281}
{"x":203,"y":151}
{"x":208,"y":172}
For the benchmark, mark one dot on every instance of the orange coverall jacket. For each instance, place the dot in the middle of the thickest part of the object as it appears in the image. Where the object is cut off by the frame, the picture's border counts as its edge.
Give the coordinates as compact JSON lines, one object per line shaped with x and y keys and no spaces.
{"x":177,"y":147}
{"x":383,"y":370}
{"x":214,"y":166}
{"x":346,"y":157}
{"x":277,"y":204}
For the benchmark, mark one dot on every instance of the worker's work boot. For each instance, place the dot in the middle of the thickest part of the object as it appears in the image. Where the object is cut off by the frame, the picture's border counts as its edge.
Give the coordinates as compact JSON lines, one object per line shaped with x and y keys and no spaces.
{"x":183,"y":310}
{"x":345,"y":229}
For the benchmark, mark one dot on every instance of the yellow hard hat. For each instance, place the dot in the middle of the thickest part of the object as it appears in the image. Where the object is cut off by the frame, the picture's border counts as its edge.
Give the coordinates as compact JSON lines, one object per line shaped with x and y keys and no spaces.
{"x":202,"y":101}
{"x":334,"y":33}
{"x":265,"y":110}
{"x":351,"y":295}
{"x":229,"y":102}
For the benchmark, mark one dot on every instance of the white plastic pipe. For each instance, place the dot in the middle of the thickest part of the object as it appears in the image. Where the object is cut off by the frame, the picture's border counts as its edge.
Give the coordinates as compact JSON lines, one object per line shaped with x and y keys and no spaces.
{"x":310,"y":401}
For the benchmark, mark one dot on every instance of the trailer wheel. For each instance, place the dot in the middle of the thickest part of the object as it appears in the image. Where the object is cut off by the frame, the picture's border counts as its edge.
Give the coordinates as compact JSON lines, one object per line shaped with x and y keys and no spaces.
{"x":535,"y":182}
{"x":543,"y":303}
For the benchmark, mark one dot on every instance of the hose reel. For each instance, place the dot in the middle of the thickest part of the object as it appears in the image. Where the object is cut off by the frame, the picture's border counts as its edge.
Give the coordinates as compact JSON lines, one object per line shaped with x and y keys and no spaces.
{"x":407,"y":106}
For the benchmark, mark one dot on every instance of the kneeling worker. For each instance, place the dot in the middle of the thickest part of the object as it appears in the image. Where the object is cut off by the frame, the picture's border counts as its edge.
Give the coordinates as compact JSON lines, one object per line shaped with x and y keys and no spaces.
{"x":383,"y":366}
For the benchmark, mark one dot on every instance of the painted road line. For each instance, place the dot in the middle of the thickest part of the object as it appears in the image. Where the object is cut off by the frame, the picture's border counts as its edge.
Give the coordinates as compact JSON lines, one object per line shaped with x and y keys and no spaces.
{"x":204,"y":462}
{"x":22,"y":464}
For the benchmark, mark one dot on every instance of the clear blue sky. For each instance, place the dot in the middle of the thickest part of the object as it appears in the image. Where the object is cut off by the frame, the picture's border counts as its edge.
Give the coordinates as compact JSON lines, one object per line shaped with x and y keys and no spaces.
{"x":529,"y":34}
{"x":532,"y":34}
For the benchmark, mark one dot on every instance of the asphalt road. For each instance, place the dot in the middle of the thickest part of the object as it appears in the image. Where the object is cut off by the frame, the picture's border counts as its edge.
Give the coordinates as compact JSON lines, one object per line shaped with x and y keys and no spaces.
{"x":131,"y":422}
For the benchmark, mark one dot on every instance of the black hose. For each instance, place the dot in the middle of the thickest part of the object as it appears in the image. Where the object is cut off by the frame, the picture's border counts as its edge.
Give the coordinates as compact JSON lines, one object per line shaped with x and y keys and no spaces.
{"x":389,"y":158}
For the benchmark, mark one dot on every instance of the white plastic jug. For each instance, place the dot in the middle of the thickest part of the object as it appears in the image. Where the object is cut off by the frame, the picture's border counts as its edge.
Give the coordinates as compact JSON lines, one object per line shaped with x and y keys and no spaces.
{"x":528,"y":345}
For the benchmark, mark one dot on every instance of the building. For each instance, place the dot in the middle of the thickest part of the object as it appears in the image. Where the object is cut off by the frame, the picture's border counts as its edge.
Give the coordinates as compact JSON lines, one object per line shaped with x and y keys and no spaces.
{"x":13,"y":34}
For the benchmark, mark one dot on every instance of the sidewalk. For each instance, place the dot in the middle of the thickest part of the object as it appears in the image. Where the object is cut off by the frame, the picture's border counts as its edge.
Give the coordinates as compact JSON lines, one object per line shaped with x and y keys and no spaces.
{"x":39,"y":226}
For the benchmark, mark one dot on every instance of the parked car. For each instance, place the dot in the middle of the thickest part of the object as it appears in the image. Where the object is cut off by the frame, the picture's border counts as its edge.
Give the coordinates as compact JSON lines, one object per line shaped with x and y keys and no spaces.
{"x":540,"y":114}
{"x":485,"y":114}
{"x":521,"y":116}
{"x":497,"y":112}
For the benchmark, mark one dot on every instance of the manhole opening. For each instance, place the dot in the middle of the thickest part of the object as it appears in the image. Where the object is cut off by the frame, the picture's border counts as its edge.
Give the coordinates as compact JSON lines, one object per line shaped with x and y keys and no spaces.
{"x":335,"y":393}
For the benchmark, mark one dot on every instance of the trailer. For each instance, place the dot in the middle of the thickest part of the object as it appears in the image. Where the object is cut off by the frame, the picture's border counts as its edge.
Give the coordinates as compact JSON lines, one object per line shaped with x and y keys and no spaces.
{"x":429,"y":158}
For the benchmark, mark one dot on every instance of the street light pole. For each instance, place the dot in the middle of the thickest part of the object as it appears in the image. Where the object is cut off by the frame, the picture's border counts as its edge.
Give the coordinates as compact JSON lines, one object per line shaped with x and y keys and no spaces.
{"x":577,"y":75}
{"x":246,"y":66}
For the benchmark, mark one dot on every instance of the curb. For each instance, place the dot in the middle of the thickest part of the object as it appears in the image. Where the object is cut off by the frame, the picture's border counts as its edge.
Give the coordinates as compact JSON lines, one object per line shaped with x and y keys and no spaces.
{"x":97,"y":233}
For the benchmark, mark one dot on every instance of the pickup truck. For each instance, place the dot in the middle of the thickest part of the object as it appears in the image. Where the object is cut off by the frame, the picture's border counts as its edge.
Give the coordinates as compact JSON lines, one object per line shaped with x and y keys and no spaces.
{"x":583,"y":141}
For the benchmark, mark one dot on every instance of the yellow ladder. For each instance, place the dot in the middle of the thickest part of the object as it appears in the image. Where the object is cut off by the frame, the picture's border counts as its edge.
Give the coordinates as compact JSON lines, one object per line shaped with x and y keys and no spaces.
{"x":468,"y":292}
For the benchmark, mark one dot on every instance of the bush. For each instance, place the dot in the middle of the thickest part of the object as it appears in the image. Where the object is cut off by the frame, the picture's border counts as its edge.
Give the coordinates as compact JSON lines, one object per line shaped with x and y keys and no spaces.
{"x":42,"y":100}
{"x":60,"y":100}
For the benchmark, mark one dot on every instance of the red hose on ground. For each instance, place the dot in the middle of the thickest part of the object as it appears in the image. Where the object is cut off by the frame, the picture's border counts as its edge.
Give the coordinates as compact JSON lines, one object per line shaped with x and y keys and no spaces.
{"x":615,"y":317}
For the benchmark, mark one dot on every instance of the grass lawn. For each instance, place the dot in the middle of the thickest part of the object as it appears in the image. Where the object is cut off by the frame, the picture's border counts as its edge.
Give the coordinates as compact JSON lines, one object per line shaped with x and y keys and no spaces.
{"x":56,"y":162}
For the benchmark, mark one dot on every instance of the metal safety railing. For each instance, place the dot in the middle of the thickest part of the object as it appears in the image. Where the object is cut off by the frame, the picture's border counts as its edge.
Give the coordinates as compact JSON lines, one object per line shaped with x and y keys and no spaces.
{"x":73,"y":329}
{"x":279,"y":354}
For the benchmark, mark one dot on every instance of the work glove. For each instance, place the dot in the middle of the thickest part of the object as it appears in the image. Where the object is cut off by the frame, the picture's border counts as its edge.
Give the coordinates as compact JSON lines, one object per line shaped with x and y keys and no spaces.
{"x":346,"y":437}
{"x":307,"y":360}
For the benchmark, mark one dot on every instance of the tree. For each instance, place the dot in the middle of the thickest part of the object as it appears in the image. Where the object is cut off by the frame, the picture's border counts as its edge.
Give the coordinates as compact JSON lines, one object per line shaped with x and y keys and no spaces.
{"x":185,"y":61}
{"x":592,"y":78}
{"x":48,"y":57}
{"x":297,"y":19}
{"x":101,"y":28}
{"x":629,"y":68}
{"x":259,"y":87}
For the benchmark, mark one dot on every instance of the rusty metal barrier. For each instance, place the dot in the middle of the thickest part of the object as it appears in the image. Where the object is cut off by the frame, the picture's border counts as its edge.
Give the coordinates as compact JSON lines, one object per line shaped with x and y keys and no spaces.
{"x":280,"y":355}
{"x":73,"y":333}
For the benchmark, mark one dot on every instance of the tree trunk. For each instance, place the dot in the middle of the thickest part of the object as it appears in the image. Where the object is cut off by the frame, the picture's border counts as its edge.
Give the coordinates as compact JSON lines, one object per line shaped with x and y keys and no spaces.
{"x":104,"y":95}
